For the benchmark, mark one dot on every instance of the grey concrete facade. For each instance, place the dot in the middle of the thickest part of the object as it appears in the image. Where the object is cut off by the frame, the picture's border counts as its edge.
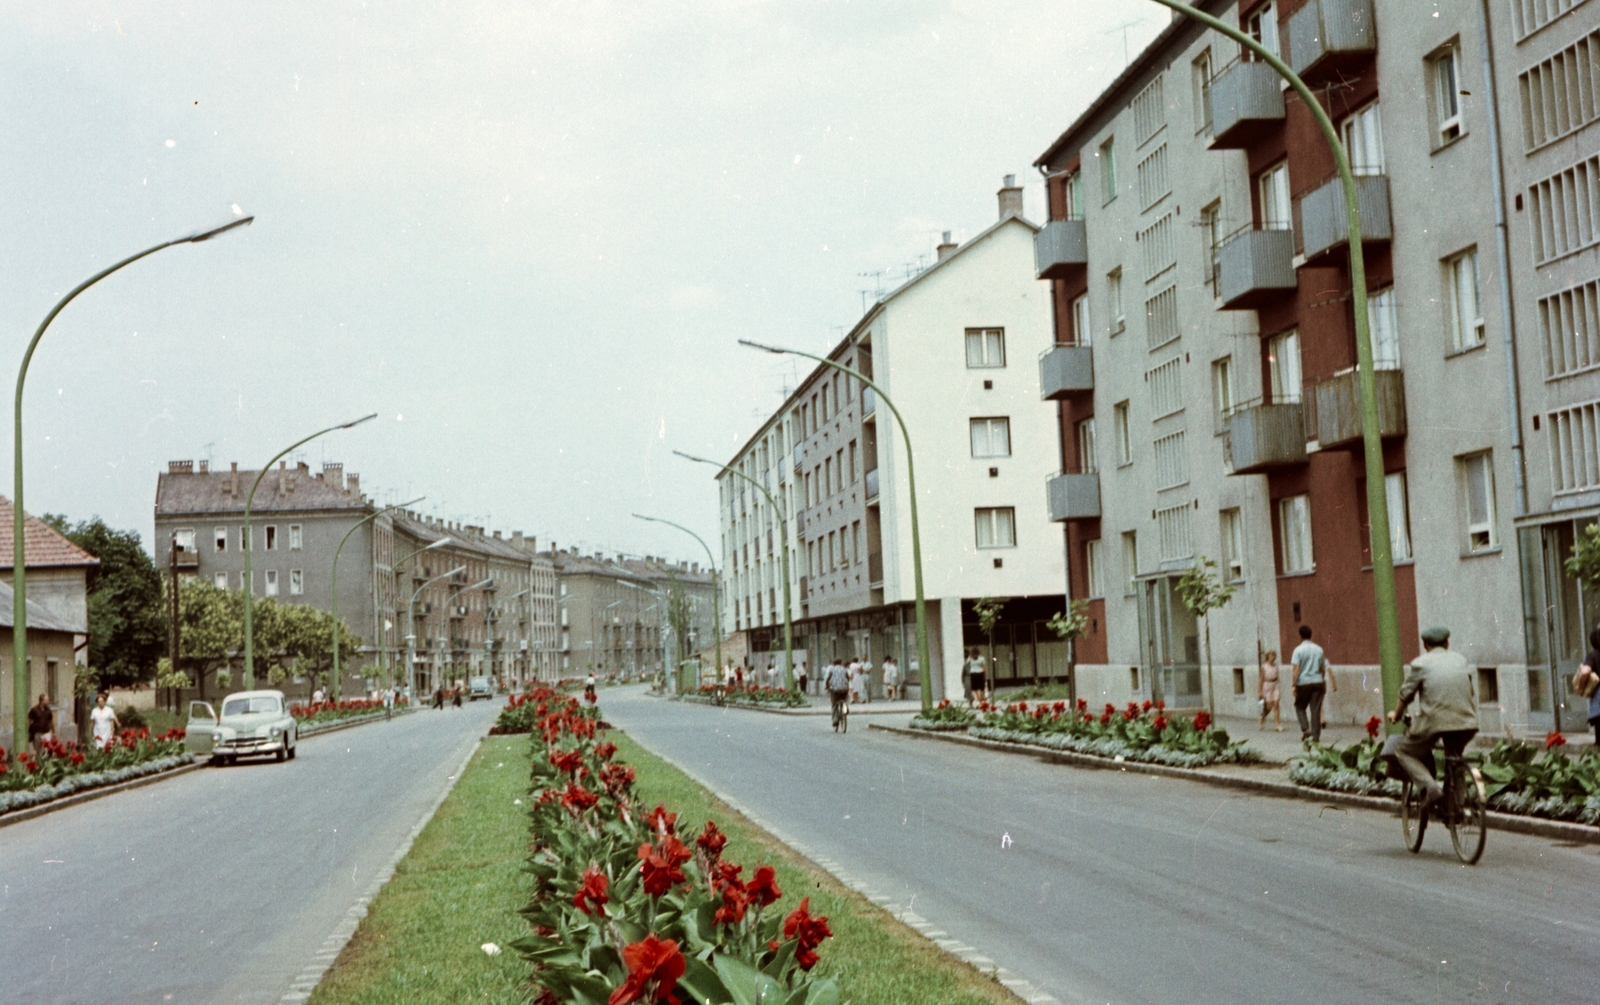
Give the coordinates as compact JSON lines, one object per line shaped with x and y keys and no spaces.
{"x":612,"y":612}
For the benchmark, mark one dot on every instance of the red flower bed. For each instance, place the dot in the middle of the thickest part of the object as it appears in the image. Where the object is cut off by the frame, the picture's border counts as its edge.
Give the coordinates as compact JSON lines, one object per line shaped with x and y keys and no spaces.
{"x":332,"y":711}
{"x":626,"y":910}
{"x":57,"y":760}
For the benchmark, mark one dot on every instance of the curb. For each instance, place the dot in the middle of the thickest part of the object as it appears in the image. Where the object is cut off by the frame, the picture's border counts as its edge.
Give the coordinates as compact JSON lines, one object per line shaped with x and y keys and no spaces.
{"x":809,"y":710}
{"x":28,"y":813}
{"x":338,"y":724}
{"x":1559,"y":830}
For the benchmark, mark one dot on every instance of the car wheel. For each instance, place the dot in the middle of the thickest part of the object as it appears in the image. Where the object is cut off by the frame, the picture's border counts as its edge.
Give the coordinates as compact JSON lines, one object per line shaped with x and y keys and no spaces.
{"x":217,"y":760}
{"x":282,"y":754}
{"x":233,"y":759}
{"x":291,"y":753}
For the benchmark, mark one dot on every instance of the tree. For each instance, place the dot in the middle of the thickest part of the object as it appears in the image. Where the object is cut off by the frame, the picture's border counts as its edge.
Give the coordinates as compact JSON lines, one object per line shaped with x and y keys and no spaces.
{"x":988,"y":611}
{"x":299,"y":640}
{"x":1070,"y":626}
{"x":127,"y":619}
{"x":1584,"y":565}
{"x":1203,"y":591}
{"x":211,"y":629}
{"x":291,"y":640}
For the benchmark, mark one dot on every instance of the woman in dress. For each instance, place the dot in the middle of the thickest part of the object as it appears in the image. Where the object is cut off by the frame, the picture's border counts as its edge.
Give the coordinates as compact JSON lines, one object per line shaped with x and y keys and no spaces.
{"x":1267,"y":689}
{"x":106,"y":723}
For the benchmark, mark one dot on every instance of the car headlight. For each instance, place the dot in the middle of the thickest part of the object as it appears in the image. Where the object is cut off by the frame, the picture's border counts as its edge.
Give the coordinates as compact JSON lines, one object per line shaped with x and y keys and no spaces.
{"x":217,"y":737}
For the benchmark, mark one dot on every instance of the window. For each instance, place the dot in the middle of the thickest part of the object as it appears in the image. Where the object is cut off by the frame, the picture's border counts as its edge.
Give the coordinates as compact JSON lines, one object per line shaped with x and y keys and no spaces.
{"x":1080,"y":320}
{"x":991,"y":437}
{"x":1558,"y":94}
{"x":1088,"y":461}
{"x":1563,"y":211}
{"x":1569,"y":324}
{"x":272,"y":582}
{"x":294,"y":537}
{"x":996,"y":527}
{"x":1130,"y":562}
{"x":297,"y":582}
{"x":272,"y":537}
{"x":1072,"y":195}
{"x":1477,"y":476}
{"x":986,"y":347}
{"x":1149,"y":112}
{"x":1200,"y":83}
{"x":1119,"y":422}
{"x":1363,"y":141}
{"x":1294,"y":533}
{"x":244,"y":539}
{"x":1531,"y":15}
{"x":1154,"y":183}
{"x":1232,"y":546}
{"x":1166,"y":387}
{"x":1283,"y":367}
{"x":1445,"y":71}
{"x":1172,"y":464}
{"x":1160,"y":254}
{"x":219,"y":580}
{"x":1119,"y":319}
{"x":855,"y":541}
{"x":1262,"y":25}
{"x":1211,"y":239}
{"x":1108,"y":170}
{"x":827,"y":477}
{"x":1461,"y":292}
{"x":184,"y":538}
{"x":1172,"y":532}
{"x":854,"y":477}
{"x":1093,"y":574}
{"x":1384,"y":332}
{"x":221,"y":539}
{"x":1222,"y":392}
{"x":1161,"y":318}
{"x":1272,"y":188}
{"x":1399,"y":513}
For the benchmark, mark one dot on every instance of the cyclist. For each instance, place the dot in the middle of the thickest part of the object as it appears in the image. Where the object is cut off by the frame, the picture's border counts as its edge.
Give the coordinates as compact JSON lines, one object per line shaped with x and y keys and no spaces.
{"x":1440,"y":683}
{"x":837,"y":683}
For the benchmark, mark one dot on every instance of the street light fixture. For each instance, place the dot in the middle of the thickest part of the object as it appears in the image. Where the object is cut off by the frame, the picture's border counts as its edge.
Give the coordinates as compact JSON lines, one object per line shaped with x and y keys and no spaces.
{"x":925,"y":672}
{"x":249,"y":541}
{"x":1383,"y":586}
{"x":336,"y":551}
{"x":716,"y":601}
{"x":783,"y":533}
{"x":19,"y":575}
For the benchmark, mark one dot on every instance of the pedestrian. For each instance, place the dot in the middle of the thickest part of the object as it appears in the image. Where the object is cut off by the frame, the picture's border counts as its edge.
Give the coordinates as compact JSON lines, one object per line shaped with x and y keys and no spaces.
{"x":317,"y":696}
{"x":854,"y":672}
{"x":588,"y":687}
{"x":837,"y":684}
{"x":388,"y":703}
{"x":438,"y":697}
{"x":1267,"y":689}
{"x":866,"y":679}
{"x":980,"y":679}
{"x":456,"y":696}
{"x":1439,"y":692}
{"x":800,"y":676}
{"x":41,"y":724}
{"x":106,"y":723}
{"x":738,"y":677}
{"x":1587,"y":682}
{"x":891,"y":678}
{"x":966,"y":675}
{"x":1311,"y":683}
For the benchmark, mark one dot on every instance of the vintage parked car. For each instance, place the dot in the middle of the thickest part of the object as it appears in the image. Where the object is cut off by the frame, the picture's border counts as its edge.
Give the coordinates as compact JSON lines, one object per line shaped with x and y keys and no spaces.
{"x":480,"y":687}
{"x":253,"y":723}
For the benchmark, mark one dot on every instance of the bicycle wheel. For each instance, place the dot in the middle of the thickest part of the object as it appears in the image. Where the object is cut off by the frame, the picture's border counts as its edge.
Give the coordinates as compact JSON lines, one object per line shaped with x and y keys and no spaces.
{"x":1413,"y":818}
{"x":1469,"y":817}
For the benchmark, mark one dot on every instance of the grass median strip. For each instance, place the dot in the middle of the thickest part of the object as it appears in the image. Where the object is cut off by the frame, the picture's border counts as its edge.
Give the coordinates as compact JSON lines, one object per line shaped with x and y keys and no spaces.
{"x":462,"y":885}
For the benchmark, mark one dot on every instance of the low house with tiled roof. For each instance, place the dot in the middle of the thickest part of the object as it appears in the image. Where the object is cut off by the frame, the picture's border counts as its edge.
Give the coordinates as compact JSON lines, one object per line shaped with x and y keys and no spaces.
{"x":58,"y":570}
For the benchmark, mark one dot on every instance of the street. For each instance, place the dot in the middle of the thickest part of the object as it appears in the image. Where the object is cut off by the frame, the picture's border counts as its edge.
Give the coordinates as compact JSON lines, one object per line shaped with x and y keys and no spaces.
{"x":1124,"y":888}
{"x":221,"y":884}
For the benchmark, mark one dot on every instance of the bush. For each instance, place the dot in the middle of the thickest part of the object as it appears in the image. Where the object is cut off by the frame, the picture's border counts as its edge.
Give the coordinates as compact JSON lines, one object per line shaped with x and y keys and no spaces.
{"x":131,"y":718}
{"x":522,"y":711}
{"x":624,"y":911}
{"x":1136,"y":733}
{"x":316,"y":713}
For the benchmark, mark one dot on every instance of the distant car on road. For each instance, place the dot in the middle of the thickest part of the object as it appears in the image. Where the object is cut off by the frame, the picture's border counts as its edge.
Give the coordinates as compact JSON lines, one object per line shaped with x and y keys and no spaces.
{"x":252,"y":724}
{"x":480,"y":687}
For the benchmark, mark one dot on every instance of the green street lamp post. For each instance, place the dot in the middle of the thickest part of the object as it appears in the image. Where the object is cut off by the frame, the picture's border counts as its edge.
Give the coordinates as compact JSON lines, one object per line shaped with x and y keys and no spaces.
{"x":19,"y":577}
{"x":1383,"y":586}
{"x":358,"y":524}
{"x":411,"y":615}
{"x":249,"y":549}
{"x":783,"y":535}
{"x":924,"y":670}
{"x":716,"y":601}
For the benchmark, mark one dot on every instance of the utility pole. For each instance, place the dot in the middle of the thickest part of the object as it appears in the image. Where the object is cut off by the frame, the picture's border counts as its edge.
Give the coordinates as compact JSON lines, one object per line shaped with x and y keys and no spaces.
{"x":174,"y":657}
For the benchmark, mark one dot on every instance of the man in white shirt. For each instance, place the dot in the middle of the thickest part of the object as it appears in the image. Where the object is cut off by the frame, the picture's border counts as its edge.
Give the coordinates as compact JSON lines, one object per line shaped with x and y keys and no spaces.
{"x":891,"y":679}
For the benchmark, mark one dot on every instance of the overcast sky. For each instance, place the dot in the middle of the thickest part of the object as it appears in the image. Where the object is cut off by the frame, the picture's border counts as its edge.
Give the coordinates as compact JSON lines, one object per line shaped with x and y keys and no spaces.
{"x":527,"y":234}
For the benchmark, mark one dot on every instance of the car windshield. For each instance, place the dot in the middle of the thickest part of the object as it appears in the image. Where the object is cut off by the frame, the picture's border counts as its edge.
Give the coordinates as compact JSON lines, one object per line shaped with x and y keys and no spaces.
{"x":245,"y":706}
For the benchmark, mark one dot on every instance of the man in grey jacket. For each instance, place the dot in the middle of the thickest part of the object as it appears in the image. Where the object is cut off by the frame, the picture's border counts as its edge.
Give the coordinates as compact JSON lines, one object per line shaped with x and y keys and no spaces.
{"x":1440,"y":683}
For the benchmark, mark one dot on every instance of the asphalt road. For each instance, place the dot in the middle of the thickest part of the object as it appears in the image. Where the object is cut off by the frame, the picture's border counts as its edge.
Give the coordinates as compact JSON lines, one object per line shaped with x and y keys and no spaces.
{"x":219,"y":885}
{"x":1125,"y":888}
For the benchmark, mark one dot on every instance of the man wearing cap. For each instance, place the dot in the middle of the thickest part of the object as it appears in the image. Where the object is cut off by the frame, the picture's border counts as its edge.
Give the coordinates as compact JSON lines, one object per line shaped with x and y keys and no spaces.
{"x":1440,"y":683}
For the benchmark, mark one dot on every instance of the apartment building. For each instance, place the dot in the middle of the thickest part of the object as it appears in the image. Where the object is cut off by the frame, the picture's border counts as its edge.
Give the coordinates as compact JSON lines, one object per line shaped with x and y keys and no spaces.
{"x":613,"y":612}
{"x":953,"y":347}
{"x":1204,"y":361}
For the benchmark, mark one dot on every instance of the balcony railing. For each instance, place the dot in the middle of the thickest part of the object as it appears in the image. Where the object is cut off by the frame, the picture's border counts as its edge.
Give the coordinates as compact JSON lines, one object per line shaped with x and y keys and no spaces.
{"x":1065,"y":370}
{"x":1325,"y":224}
{"x":1060,"y":249}
{"x":1328,"y":37}
{"x":1336,"y":418}
{"x":1246,"y":103}
{"x":869,"y":401}
{"x":875,"y":568}
{"x":187,"y":558}
{"x":1256,"y":267}
{"x":1073,"y":496}
{"x":872,"y":484}
{"x":1266,"y":437}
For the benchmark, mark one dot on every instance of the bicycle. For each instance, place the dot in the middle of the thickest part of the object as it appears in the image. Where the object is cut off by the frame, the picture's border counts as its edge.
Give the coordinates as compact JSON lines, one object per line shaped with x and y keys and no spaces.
{"x":1463,"y":808}
{"x":841,"y":712}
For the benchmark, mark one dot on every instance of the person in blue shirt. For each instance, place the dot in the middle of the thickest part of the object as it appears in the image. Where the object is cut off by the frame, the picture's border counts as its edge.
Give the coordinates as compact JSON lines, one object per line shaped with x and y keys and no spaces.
{"x":1311,"y":683}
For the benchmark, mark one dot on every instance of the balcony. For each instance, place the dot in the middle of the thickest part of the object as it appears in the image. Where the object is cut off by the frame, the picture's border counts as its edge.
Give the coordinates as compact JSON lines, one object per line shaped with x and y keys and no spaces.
{"x":186,"y":558}
{"x":1330,"y":37}
{"x":1074,"y":496}
{"x":1324,"y":224}
{"x":1246,"y":104}
{"x":872,"y":484}
{"x":805,"y":581}
{"x":1065,"y":370}
{"x":869,"y":401}
{"x":1336,"y":421}
{"x":1266,"y":437}
{"x":1255,"y":268}
{"x":875,"y":568}
{"x":1060,"y":249}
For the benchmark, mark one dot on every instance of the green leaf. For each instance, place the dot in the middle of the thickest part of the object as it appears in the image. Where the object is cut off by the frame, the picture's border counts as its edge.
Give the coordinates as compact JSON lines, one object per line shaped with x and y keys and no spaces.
{"x":701,"y":981}
{"x":746,"y":984}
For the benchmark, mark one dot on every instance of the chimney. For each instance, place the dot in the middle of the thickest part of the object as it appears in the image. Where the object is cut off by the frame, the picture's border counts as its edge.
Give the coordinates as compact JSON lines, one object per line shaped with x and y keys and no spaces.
{"x":1010,"y":198}
{"x":353,"y":484}
{"x":233,"y":481}
{"x":180,"y":467}
{"x":517,"y":541}
{"x":333,"y":471}
{"x":947,"y":247}
{"x":302,"y":467}
{"x":205,"y":466}
{"x":497,"y":535}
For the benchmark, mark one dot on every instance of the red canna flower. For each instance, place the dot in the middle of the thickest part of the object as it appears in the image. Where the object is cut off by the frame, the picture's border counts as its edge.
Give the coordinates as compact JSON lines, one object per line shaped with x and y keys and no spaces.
{"x":662,"y":822}
{"x":1160,"y":704}
{"x":807,"y":931}
{"x":712,"y":841}
{"x":763,"y":886}
{"x":659,"y":867}
{"x":1148,"y":704}
{"x":1130,"y":714}
{"x":1159,"y":722}
{"x":1551,"y":742}
{"x":1374,"y":727}
{"x":591,"y":897}
{"x":1105,"y":719}
{"x":1110,"y":709}
{"x":577,"y":799}
{"x":568,"y":761}
{"x":735,"y":902}
{"x":1083,"y":704}
{"x":1202,"y":720}
{"x":605,"y":751}
{"x":654,"y":967}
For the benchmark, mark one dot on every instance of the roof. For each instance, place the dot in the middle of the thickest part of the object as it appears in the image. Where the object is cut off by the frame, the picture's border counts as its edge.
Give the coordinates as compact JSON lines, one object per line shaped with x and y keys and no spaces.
{"x":638,"y":569}
{"x":469,"y":539}
{"x":46,"y":547}
{"x":198,"y":493}
{"x":39,"y":619}
{"x":867,"y":319}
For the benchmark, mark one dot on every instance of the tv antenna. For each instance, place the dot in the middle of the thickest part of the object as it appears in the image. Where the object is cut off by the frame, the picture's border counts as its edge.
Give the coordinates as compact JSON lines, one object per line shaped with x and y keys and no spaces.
{"x":1123,"y":27}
